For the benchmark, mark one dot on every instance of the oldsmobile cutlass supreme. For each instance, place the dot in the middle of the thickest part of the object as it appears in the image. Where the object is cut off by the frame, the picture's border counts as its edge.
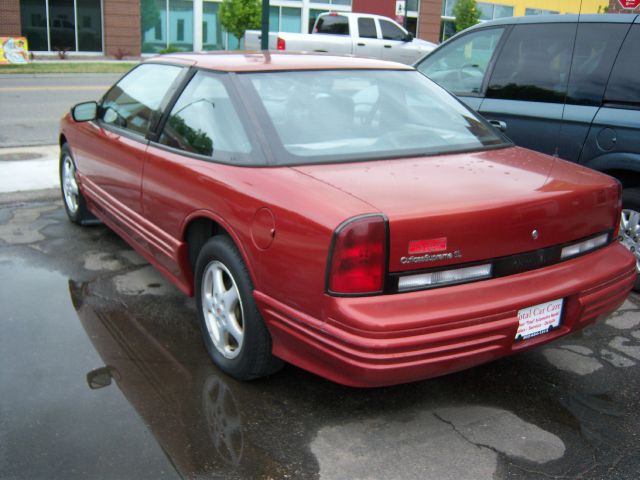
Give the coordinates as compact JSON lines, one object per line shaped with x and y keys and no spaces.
{"x":346,"y":215}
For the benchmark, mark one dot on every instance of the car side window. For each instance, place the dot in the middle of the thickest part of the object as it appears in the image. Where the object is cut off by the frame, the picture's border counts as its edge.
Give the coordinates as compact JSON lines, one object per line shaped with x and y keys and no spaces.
{"x":333,"y":24}
{"x":460,"y":66}
{"x":204,"y":121}
{"x":133,"y":102}
{"x":597,"y":45}
{"x":534,"y":63}
{"x":390,"y":31}
{"x":623,"y":85}
{"x":367,"y":28}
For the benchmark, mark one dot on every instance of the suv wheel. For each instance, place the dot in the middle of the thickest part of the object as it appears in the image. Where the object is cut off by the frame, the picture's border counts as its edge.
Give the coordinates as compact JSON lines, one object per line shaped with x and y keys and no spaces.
{"x":630,"y":225}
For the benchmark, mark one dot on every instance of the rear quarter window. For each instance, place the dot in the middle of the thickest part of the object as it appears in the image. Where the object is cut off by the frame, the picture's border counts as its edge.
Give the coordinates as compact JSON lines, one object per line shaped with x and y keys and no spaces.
{"x":204,"y":121}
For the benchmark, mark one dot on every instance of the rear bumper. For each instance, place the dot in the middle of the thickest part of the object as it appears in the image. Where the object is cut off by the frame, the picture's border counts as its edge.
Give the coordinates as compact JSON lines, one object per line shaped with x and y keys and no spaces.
{"x":391,"y":339}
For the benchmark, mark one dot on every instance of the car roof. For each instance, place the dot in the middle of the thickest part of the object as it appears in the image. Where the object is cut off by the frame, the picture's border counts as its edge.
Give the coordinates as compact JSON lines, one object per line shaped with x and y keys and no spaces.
{"x":565,"y":18}
{"x":271,"y":61}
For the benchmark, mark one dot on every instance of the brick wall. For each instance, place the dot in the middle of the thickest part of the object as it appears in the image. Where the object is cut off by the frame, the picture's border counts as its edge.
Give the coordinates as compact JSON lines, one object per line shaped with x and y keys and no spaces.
{"x":429,"y":21}
{"x":386,"y":8}
{"x":121,"y":27}
{"x":10,"y":18}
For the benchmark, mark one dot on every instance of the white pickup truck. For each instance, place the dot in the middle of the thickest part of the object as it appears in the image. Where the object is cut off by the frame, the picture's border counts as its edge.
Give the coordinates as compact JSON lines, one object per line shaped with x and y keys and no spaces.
{"x":359,"y":34}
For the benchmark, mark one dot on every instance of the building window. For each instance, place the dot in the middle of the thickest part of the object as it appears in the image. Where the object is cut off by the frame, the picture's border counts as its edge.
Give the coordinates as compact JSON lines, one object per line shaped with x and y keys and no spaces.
{"x":61,"y":32}
{"x":157,"y":30}
{"x":166,"y":23}
{"x":212,"y":34}
{"x":180,"y":28}
{"x":540,"y":11}
{"x":490,"y":11}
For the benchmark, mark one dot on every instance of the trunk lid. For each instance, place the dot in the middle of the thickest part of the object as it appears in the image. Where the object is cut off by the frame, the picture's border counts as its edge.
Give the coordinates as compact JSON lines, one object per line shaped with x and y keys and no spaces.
{"x":476,"y":206}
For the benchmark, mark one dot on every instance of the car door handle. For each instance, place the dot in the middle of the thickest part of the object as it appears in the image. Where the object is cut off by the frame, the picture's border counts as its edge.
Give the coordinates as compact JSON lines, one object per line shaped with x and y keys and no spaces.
{"x":500,"y":125}
{"x":362,"y":44}
{"x":387,"y":46}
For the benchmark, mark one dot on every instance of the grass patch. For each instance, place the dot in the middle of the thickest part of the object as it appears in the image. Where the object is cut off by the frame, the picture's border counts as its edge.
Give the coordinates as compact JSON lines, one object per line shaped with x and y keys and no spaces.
{"x":69,"y":67}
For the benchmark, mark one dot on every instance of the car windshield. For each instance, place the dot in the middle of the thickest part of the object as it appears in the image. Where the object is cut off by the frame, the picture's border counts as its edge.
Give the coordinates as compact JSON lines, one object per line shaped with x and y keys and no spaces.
{"x":343,"y":115}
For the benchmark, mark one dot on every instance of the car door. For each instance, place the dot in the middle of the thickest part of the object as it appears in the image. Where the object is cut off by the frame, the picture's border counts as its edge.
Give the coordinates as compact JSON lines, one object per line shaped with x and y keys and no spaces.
{"x":597,"y":45}
{"x":114,"y":153}
{"x":203,"y":132}
{"x":394,"y":44}
{"x":528,"y":85}
{"x":461,"y":64}
{"x":613,"y":142}
{"x":367,"y":43}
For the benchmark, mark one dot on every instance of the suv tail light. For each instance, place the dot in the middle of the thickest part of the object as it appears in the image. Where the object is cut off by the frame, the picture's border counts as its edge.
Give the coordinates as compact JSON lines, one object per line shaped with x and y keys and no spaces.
{"x":357,"y":259}
{"x":281,"y":45}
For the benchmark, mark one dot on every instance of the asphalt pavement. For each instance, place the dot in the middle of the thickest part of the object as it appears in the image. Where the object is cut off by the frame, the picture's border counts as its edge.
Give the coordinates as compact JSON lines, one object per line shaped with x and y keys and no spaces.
{"x":31,"y":105}
{"x":104,"y":375}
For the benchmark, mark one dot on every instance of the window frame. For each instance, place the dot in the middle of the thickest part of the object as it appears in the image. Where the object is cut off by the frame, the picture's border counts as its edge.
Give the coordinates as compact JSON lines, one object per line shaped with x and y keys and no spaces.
{"x":375,"y":27}
{"x":259,"y":156}
{"x":381,"y":33}
{"x":492,"y":61}
{"x":634,"y":29}
{"x":177,"y":85}
{"x":506,"y":38}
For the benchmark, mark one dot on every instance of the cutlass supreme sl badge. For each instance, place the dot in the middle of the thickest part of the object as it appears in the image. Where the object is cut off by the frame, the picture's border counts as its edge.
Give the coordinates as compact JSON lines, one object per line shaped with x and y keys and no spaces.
{"x":430,"y":250}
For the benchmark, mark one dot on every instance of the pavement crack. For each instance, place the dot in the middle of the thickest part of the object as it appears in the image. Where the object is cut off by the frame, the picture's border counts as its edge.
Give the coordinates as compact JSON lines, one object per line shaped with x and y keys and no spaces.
{"x":464,"y":437}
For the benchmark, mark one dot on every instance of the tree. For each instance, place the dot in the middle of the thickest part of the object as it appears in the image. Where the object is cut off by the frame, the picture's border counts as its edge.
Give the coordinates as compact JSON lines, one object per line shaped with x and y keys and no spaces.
{"x":467,"y":14}
{"x":237,"y":16}
{"x":149,"y":15}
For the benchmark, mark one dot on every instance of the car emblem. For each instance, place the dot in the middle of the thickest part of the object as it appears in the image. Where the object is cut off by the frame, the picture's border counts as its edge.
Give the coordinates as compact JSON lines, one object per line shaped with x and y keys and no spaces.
{"x":535,"y":234}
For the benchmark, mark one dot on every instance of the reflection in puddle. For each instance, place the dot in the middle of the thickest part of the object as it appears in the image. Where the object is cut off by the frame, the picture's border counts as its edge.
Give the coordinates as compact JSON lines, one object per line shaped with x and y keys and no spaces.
{"x":223,"y":420}
{"x":192,"y":410}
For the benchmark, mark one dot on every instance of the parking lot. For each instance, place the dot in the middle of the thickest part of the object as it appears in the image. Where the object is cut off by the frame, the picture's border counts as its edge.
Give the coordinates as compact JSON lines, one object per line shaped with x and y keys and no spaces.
{"x":105,"y":376}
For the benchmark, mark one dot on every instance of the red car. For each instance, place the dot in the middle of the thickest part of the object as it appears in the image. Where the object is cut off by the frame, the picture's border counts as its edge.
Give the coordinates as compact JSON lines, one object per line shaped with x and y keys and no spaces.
{"x":346,"y":215}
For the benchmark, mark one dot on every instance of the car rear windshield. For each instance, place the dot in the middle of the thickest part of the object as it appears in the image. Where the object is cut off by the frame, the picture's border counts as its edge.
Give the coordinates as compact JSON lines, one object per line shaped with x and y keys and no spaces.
{"x":344,"y":115}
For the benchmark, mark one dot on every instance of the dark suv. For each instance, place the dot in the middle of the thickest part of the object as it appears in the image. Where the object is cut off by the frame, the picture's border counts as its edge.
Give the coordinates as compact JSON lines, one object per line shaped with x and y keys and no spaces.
{"x":566,"y":85}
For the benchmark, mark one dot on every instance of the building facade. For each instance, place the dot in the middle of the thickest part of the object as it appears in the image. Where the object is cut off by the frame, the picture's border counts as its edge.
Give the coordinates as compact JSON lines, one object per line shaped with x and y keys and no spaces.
{"x":133,"y":27}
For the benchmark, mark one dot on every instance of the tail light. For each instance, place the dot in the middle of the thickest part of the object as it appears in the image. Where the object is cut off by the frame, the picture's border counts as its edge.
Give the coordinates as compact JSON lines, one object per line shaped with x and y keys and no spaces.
{"x":357,"y":259}
{"x":281,"y":45}
{"x":616,"y":226}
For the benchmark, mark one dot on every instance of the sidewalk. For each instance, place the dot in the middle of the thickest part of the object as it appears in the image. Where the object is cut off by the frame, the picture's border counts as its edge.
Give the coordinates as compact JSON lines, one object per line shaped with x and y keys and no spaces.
{"x":29,"y":169}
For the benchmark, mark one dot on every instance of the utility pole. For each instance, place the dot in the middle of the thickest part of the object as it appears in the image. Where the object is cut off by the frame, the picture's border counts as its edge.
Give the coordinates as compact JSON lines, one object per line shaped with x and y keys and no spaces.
{"x":265,"y":25}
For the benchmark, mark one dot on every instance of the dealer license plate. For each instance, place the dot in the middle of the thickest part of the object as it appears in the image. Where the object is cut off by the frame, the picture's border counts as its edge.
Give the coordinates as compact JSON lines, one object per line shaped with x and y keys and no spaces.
{"x":539,"y":319}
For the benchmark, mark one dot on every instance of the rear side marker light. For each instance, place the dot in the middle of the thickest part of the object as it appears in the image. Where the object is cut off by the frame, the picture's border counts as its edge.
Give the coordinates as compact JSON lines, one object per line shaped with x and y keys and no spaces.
{"x":584,"y":246}
{"x":357,"y":262}
{"x":444,"y":277}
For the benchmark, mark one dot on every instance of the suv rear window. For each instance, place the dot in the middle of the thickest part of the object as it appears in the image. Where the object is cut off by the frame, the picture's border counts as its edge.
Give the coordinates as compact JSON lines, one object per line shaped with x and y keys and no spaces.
{"x":624,"y":86}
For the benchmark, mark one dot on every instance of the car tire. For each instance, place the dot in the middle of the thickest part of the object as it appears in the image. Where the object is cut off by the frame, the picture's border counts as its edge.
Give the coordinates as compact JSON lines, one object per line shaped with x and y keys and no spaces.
{"x":233,"y":331}
{"x":630,"y":226}
{"x":72,"y":198}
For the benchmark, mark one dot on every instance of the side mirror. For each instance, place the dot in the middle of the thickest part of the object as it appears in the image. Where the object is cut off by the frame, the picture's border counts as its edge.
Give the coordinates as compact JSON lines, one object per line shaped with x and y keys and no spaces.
{"x":408,"y":37}
{"x":99,"y":378}
{"x":84,"y":112}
